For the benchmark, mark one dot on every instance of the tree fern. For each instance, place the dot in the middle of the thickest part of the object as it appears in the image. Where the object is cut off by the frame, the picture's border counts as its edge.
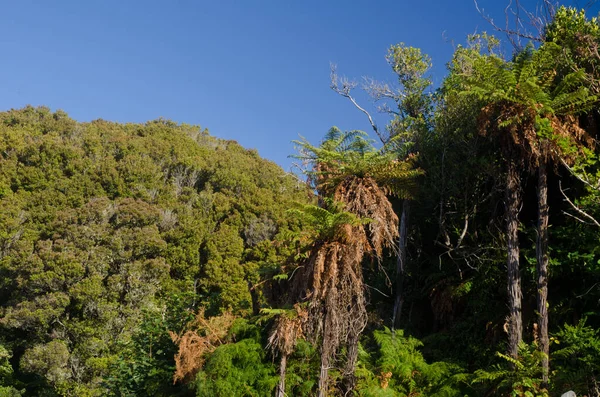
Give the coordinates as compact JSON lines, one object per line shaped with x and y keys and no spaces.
{"x":348,"y":174}
{"x":345,"y":154}
{"x":529,"y":80}
{"x":325,"y":222}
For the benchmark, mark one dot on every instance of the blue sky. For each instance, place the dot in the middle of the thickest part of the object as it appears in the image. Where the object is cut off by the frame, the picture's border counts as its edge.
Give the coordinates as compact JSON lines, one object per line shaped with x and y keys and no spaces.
{"x":256,"y":71}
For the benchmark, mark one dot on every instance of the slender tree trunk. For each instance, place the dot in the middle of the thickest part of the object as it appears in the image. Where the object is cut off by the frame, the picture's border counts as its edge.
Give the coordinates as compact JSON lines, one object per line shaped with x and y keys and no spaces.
{"x":324,"y":376}
{"x":326,"y":355}
{"x":351,"y":358}
{"x":541,"y":248}
{"x":401,"y":264}
{"x":513,"y":204}
{"x":282,"y":368}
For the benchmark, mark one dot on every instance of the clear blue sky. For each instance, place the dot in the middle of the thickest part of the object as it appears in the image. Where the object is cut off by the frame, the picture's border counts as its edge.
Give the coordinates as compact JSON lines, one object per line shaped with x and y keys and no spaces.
{"x":256,"y":71}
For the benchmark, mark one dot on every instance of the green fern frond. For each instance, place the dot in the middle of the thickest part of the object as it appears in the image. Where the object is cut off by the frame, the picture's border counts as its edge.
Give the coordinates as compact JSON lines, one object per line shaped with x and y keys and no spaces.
{"x":483,"y":376}
{"x":576,"y":102}
{"x":511,"y":360}
{"x":333,"y":134}
{"x":345,"y":154}
{"x":326,"y":221}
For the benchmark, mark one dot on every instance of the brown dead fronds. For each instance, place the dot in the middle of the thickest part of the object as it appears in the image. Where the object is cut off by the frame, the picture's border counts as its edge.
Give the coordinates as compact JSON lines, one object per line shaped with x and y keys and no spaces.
{"x":288,"y":330}
{"x":515,"y":126}
{"x":385,"y":379}
{"x":202,"y":335}
{"x":366,"y":199}
{"x":331,"y":279}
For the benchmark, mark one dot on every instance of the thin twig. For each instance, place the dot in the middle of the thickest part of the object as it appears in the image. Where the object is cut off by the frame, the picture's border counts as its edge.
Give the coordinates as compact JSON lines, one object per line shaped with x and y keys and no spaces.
{"x":576,"y":208}
{"x":575,"y":217}
{"x":513,"y":33}
{"x":577,"y":176}
{"x":368,"y":286}
{"x":587,"y":292}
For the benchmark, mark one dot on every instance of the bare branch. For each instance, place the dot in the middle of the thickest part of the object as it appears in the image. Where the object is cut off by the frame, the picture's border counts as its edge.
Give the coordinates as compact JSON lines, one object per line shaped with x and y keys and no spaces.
{"x":519,"y":32}
{"x":379,"y":91}
{"x":576,"y":208}
{"x":385,"y":108}
{"x":464,"y":232}
{"x":588,"y":291}
{"x":367,"y":285}
{"x":549,"y":9}
{"x":344,"y":87}
{"x":579,"y":178}
{"x":575,"y":217}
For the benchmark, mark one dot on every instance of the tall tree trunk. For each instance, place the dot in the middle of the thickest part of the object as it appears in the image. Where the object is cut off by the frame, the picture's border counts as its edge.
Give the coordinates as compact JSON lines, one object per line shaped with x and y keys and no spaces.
{"x":324,"y":376}
{"x":327,"y":351}
{"x":282,"y":368}
{"x":513,"y":204}
{"x":541,"y":249}
{"x":401,"y":263}
{"x":350,"y":366}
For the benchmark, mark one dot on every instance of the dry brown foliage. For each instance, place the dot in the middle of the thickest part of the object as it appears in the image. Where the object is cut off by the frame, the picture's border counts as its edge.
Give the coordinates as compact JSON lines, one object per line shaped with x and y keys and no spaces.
{"x":333,"y":286}
{"x":385,"y":379}
{"x":331,"y":279}
{"x":366,"y":199}
{"x":288,"y":330}
{"x":519,"y":137}
{"x":201,"y":337}
{"x":330,"y":282}
{"x":567,"y":127}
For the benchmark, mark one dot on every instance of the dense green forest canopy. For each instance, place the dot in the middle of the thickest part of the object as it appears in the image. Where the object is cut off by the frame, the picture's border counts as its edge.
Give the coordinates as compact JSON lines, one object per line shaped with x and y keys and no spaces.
{"x":458,"y":258}
{"x":107,"y":227}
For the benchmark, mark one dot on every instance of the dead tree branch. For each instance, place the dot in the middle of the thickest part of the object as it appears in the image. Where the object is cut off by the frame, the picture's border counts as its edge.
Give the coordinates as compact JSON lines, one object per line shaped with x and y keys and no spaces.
{"x":537,"y":21}
{"x":379,"y":91}
{"x":576,"y":208}
{"x":344,"y":87}
{"x":579,"y":178}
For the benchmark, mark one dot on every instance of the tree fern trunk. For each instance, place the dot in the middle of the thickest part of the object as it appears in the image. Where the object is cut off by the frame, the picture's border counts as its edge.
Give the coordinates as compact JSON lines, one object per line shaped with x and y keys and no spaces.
{"x":351,"y":358}
{"x":513,"y":204}
{"x":541,"y":248}
{"x":327,"y":350}
{"x":401,"y":264}
{"x":282,"y":369}
{"x":323,"y":377}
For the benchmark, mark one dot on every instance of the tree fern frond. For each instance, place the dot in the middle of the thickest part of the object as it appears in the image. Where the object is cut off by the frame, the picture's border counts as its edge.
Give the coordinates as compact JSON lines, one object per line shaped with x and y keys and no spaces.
{"x":326,"y":221}
{"x":333,"y":134}
{"x":352,"y":153}
{"x":576,"y":102}
{"x":568,"y":83}
{"x":348,"y":140}
{"x":483,"y":376}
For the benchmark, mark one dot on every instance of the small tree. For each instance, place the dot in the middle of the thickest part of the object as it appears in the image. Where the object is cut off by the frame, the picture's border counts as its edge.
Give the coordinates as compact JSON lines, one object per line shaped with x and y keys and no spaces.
{"x":354,"y":220}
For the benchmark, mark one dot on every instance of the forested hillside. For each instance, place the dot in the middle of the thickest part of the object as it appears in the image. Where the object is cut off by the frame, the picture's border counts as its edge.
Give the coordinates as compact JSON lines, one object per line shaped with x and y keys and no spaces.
{"x":452,"y":252}
{"x":114,"y":234}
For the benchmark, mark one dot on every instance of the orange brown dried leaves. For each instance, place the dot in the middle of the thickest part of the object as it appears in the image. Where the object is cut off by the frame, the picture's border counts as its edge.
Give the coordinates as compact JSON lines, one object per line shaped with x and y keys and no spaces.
{"x":201,"y":337}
